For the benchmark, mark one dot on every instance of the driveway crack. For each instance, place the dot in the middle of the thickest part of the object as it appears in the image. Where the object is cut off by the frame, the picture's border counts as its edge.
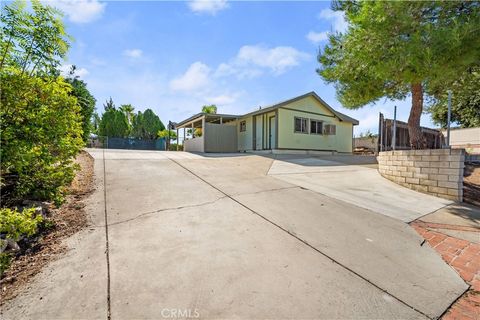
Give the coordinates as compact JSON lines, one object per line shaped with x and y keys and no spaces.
{"x":161,"y":210}
{"x":107,"y":246}
{"x":264,"y":191}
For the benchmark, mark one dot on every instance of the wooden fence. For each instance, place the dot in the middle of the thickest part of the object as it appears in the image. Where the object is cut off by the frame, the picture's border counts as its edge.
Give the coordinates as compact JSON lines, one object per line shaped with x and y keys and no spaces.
{"x":434,"y":138}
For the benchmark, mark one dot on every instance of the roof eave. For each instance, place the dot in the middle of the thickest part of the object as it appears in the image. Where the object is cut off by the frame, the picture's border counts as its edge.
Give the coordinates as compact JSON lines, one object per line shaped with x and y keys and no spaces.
{"x":198,"y":116}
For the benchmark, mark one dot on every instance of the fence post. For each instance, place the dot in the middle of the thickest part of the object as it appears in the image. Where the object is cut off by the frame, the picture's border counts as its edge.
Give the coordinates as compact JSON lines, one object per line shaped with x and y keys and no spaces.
{"x":394,"y":135}
{"x":380,"y":117}
{"x":449,"y":116}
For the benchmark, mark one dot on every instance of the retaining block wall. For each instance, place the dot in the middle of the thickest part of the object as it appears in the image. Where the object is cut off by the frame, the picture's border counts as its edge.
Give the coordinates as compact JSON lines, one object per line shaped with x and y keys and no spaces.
{"x":438,"y":172}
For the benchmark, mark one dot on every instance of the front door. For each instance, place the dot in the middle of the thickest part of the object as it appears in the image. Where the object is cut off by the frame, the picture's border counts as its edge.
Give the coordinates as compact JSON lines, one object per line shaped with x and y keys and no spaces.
{"x":272,"y":133}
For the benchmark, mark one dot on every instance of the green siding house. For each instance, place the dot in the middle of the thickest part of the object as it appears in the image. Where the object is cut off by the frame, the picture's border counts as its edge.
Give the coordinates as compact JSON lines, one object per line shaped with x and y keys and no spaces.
{"x":302,"y":124}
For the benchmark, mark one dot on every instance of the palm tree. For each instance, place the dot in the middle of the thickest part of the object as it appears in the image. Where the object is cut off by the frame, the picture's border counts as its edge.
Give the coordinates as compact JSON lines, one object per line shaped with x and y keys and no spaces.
{"x":210,"y":109}
{"x":127,"y":110}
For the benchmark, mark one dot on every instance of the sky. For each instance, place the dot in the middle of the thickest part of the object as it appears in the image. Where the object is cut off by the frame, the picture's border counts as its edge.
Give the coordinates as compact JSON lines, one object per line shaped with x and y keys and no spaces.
{"x":174,"y":57}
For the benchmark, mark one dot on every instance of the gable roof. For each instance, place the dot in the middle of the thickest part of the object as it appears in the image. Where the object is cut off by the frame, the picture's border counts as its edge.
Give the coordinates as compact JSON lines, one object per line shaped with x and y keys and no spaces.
{"x":339,"y":115}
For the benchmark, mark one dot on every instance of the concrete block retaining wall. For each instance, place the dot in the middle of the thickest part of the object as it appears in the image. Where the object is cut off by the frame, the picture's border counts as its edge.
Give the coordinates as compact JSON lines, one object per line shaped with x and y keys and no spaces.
{"x":438,"y":172}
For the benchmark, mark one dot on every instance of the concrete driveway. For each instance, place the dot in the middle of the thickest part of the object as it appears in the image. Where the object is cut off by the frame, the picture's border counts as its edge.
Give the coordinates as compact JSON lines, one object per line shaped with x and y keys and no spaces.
{"x":177,"y":235}
{"x":355,"y":179}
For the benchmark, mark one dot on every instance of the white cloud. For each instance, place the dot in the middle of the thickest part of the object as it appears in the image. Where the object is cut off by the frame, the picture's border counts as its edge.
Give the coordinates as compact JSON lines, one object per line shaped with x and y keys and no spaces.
{"x":252,"y":60}
{"x":338,"y":24}
{"x":337,"y":18}
{"x":65,"y":70}
{"x":133,"y":53}
{"x":277,"y":59}
{"x":80,"y":11}
{"x":207,"y":6}
{"x":196,"y":77}
{"x":205,"y":83}
{"x":317,"y":37}
{"x":224,"y":69}
{"x":241,"y":72}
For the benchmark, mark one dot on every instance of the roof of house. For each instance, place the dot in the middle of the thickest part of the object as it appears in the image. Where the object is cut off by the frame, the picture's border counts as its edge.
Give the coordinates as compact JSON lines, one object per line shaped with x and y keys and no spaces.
{"x":211,"y":115}
{"x":339,"y":115}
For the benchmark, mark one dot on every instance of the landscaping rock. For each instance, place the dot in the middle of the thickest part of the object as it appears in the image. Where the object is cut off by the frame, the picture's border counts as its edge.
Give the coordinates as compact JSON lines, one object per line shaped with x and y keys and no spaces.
{"x":12,"y":246}
{"x":41,"y":207}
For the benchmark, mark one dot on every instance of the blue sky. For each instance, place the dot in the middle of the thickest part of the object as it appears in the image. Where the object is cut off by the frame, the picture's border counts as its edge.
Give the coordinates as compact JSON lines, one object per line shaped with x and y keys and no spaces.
{"x":174,"y":57}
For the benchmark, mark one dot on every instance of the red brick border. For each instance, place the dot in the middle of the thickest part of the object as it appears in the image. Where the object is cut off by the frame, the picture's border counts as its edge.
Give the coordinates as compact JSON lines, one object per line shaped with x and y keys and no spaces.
{"x":464,"y":257}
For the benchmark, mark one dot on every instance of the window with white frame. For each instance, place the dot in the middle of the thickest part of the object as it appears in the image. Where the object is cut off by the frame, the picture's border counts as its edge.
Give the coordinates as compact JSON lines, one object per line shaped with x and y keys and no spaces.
{"x":330,"y":129}
{"x":301,"y":125}
{"x":243,"y":126}
{"x":316,"y":127}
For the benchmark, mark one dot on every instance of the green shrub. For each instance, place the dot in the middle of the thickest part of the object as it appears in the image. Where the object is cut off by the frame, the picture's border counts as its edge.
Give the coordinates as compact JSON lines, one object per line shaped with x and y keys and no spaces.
{"x":5,"y":260}
{"x":15,"y":224}
{"x":173,"y":147}
{"x":40,"y":136}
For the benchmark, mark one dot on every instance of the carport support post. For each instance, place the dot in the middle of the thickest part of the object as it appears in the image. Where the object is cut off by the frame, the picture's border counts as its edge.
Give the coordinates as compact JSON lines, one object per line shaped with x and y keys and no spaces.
{"x":254,"y":136}
{"x":276,"y":128}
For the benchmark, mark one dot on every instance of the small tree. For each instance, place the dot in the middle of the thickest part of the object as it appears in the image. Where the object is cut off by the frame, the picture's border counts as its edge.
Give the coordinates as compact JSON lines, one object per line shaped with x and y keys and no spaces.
{"x":113,"y":124}
{"x":146,"y":125}
{"x":33,"y":42}
{"x":393,"y":48}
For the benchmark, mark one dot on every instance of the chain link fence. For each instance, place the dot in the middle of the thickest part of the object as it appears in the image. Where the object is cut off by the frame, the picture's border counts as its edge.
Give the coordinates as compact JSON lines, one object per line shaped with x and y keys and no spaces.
{"x":126,"y":143}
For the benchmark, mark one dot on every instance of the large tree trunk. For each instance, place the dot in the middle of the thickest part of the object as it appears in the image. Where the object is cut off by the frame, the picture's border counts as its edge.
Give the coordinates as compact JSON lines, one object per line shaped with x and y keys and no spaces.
{"x":417,"y":140}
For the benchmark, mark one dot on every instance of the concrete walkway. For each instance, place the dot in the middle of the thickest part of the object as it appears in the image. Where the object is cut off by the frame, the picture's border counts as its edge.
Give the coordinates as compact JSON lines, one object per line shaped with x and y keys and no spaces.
{"x":216,"y":237}
{"x":341,"y":178}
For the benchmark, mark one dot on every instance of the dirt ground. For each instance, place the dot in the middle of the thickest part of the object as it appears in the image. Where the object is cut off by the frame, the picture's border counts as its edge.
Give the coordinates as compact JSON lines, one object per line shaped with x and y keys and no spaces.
{"x":471,"y":184}
{"x":68,"y":219}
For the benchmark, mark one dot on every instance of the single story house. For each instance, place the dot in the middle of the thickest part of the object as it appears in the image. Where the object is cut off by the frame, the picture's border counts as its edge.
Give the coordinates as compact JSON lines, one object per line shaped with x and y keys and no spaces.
{"x":302,"y":124}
